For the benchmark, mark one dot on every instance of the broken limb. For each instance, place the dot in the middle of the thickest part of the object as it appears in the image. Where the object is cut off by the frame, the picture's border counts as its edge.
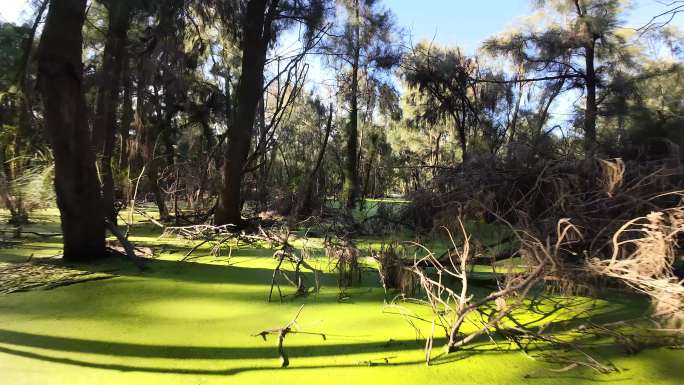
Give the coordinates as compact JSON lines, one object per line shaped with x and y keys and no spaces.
{"x":282,"y":332}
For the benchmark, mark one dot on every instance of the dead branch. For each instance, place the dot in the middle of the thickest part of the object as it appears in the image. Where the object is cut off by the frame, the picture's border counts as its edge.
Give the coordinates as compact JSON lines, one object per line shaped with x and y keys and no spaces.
{"x":282,"y":332}
{"x":128,"y":247}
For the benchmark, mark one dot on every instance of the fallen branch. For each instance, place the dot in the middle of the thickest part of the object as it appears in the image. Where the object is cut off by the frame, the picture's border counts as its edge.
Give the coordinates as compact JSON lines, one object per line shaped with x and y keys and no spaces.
{"x":282,"y":332}
{"x":128,"y":247}
{"x":156,"y":222}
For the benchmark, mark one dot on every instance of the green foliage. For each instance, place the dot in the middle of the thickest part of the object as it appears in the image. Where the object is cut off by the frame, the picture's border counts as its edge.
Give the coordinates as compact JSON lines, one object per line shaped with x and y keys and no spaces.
{"x":12,"y":40}
{"x":644,"y":109}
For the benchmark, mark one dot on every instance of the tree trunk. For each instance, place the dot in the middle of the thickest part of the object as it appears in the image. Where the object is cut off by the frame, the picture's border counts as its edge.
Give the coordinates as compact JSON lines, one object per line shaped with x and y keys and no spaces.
{"x":591,"y":110}
{"x":8,"y":198}
{"x":435,"y":161}
{"x":108,"y":98}
{"x":462,"y":135}
{"x":304,"y":199}
{"x":263,"y":171}
{"x":126,"y":114}
{"x":369,"y":166}
{"x":257,"y":35}
{"x":147,"y":139}
{"x":350,"y":188}
{"x":60,"y":83}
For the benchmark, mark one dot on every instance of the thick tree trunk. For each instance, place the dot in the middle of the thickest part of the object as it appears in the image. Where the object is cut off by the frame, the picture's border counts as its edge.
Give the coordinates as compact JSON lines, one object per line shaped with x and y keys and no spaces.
{"x":350,"y":188}
{"x":257,"y":35}
{"x":591,"y":110}
{"x":108,"y":98}
{"x":60,"y":82}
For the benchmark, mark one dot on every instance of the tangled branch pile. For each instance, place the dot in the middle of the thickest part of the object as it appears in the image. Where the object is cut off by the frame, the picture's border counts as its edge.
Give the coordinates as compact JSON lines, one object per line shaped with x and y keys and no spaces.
{"x":582,"y":224}
{"x":644,"y":252}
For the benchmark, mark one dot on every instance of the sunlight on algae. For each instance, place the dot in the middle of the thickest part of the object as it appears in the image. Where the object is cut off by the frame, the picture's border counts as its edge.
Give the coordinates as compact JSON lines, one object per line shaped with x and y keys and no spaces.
{"x":192,"y":323}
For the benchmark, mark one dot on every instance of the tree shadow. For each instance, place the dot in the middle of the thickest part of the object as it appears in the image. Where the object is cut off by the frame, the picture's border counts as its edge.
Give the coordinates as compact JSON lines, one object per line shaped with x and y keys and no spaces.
{"x":213,"y":372}
{"x":298,"y":353}
{"x":78,"y":345}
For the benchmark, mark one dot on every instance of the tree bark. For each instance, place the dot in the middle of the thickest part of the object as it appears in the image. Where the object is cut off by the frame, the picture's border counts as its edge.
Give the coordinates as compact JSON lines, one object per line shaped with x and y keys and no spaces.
{"x":257,"y":36}
{"x":60,"y":83}
{"x":108,"y":97}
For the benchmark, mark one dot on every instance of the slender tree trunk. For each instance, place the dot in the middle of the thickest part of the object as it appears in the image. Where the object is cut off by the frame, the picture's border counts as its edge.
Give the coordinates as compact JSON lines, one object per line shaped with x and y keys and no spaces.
{"x":305,"y":195}
{"x":351,"y":180}
{"x":60,"y":82}
{"x":262,"y":172}
{"x":126,"y":114}
{"x":367,"y":173}
{"x":257,"y":35}
{"x":462,"y":136}
{"x":108,"y":97}
{"x":147,"y":141}
{"x":5,"y":187}
{"x":591,"y":111}
{"x":435,"y":159}
{"x":151,"y":138}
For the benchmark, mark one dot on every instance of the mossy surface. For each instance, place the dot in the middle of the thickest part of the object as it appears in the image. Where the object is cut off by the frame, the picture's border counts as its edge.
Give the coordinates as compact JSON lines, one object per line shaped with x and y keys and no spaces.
{"x":192,"y":323}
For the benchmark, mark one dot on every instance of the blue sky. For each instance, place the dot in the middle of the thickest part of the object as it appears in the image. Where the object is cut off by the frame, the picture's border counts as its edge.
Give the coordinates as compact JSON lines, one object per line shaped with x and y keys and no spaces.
{"x":457,"y":22}
{"x":451,"y":22}
{"x":467,"y":23}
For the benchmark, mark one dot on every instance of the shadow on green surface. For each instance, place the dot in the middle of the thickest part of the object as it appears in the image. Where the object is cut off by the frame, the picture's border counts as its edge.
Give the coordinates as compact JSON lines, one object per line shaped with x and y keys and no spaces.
{"x":218,"y":372}
{"x":261,"y":350}
{"x":668,"y":367}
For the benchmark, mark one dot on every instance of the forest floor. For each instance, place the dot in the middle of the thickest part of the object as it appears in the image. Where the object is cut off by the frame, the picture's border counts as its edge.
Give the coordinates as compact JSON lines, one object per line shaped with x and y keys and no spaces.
{"x":193,"y":323}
